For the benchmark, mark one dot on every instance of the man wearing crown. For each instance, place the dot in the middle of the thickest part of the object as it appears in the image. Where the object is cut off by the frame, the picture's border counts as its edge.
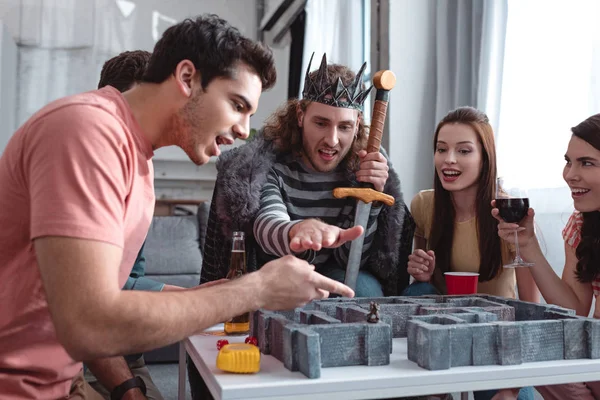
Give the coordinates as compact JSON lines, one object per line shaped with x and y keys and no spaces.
{"x":278,"y":190}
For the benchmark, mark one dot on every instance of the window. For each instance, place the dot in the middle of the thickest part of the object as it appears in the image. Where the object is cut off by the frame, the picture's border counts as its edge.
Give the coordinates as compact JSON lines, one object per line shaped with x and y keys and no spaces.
{"x":550,"y":83}
{"x":340,"y":29}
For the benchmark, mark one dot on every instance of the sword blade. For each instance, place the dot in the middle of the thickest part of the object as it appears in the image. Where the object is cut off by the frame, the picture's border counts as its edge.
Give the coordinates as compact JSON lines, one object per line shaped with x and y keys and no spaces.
{"x":361,"y":217}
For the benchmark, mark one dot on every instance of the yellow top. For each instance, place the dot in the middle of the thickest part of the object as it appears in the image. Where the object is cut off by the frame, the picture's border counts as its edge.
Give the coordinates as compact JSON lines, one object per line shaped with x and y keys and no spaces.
{"x":465,"y":249}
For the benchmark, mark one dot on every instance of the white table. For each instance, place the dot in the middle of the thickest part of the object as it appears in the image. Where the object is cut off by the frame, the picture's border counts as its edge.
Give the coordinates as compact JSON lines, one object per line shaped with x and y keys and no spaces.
{"x":400,"y":378}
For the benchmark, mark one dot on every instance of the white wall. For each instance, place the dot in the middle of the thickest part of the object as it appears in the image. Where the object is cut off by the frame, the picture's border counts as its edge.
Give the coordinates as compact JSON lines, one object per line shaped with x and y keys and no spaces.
{"x":10,"y":14}
{"x":65,"y":42}
{"x":8,"y":87}
{"x":411,"y":118}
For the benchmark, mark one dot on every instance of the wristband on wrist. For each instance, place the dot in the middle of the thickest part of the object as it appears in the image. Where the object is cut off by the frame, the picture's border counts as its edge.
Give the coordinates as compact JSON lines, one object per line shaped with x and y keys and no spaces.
{"x":118,"y":392}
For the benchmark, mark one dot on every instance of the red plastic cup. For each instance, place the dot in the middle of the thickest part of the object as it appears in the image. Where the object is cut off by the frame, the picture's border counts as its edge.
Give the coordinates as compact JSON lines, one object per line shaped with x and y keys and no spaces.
{"x":461,"y":282}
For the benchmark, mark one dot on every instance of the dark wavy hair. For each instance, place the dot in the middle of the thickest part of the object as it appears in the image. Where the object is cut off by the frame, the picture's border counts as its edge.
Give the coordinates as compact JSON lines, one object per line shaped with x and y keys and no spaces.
{"x":441,"y":238}
{"x":122,"y":71}
{"x":588,"y":250}
{"x":282,"y":128}
{"x":214,"y":47}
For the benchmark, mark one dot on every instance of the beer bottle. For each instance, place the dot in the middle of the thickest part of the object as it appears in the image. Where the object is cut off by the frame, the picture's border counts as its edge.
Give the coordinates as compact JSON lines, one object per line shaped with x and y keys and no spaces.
{"x":237,"y":268}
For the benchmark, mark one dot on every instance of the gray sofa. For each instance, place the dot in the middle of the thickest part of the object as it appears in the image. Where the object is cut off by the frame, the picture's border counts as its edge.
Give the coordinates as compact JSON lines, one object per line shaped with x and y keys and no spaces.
{"x":174,"y":256}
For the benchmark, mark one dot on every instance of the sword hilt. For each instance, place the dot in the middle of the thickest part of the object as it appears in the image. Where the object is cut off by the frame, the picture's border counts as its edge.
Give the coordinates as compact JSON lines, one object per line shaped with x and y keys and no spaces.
{"x":384,"y":81}
{"x":365,"y":195}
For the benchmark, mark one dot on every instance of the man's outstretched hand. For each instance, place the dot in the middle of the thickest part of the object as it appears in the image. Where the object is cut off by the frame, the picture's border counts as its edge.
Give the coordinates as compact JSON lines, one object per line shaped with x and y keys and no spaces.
{"x":288,"y":282}
{"x":312,"y":234}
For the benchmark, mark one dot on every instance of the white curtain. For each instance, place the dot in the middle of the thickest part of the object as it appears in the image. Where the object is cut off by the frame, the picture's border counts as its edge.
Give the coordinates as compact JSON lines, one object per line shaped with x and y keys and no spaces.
{"x":469,"y":54}
{"x":550,"y":84}
{"x":62,"y":44}
{"x":491,"y":62}
{"x":334,"y":27}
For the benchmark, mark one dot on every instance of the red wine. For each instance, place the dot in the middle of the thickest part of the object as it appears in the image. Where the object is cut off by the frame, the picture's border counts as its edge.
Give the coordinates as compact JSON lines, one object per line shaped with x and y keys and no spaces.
{"x":512,"y":210}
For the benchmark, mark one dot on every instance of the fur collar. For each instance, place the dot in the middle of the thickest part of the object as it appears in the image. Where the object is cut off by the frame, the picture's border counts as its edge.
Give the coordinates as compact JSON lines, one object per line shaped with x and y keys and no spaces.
{"x":242,"y":173}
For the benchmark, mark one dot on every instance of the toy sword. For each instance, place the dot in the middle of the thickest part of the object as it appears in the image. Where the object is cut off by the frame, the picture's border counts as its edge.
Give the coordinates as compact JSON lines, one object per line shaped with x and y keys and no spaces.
{"x":383,"y":81}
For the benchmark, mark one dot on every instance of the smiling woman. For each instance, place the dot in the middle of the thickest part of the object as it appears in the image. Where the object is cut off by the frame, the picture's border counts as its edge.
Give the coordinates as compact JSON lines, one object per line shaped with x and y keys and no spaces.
{"x":455,"y":230}
{"x":580,"y":281}
{"x":457,"y":156}
{"x":532,"y":58}
{"x":464,"y":186}
{"x":581,"y":169}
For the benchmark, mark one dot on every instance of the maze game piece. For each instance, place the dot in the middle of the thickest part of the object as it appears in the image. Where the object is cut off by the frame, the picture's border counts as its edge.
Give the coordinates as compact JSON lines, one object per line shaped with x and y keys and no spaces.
{"x":441,"y":331}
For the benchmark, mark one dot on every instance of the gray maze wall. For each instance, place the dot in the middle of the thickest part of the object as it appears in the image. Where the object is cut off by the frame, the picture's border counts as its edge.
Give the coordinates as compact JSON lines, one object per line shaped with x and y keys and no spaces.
{"x":441,"y":331}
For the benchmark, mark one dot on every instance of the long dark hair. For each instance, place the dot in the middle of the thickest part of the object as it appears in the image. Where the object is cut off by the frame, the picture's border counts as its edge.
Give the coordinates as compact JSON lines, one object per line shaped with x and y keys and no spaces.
{"x":588,"y":250}
{"x":442,"y":230}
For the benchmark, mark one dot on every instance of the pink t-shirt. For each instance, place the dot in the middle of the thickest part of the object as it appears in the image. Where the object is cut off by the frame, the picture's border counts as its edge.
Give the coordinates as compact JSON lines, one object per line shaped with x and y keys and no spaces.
{"x":80,"y":167}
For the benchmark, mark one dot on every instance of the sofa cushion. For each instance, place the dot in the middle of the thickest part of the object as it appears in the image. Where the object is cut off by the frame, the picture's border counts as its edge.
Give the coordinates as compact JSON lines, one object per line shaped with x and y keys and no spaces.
{"x":172,"y":246}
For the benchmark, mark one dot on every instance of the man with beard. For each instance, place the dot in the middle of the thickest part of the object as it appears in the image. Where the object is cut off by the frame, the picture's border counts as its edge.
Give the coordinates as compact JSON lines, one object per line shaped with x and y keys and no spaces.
{"x":278,"y":189}
{"x":76,"y":203}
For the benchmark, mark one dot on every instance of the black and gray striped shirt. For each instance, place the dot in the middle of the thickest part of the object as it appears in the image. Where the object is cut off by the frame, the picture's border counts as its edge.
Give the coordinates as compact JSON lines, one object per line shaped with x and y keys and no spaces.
{"x":294,"y":193}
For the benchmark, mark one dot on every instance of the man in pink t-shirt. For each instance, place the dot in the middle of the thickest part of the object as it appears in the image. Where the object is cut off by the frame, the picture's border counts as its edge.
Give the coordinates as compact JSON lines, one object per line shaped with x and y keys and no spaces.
{"x":76,"y":202}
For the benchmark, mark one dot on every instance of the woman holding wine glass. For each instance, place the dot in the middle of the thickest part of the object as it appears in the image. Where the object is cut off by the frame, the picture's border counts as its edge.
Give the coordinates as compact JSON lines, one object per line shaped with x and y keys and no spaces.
{"x":580,"y":281}
{"x":455,"y":231}
{"x":453,"y":216}
{"x":512,"y":203}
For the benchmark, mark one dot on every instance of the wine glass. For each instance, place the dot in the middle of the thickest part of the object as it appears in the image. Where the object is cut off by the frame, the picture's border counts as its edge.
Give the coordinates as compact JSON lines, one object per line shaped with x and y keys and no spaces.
{"x":512,"y":203}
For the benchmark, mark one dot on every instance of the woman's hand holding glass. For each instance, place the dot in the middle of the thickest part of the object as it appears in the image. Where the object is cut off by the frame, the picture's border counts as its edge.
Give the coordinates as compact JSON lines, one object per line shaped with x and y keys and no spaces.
{"x":511,"y":209}
{"x":525,"y":230}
